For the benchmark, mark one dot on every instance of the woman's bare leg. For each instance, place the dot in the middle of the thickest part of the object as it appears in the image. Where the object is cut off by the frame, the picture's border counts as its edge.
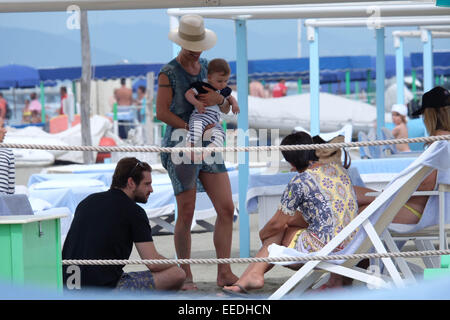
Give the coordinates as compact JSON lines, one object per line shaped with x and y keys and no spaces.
{"x":218,"y":188}
{"x":182,"y":235}
{"x":253,"y":276}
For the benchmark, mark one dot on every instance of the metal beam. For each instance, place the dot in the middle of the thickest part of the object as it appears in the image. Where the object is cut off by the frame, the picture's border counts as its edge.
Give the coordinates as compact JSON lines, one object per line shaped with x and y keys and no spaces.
{"x":62,"y":5}
{"x":380,"y":22}
{"x":370,"y":9}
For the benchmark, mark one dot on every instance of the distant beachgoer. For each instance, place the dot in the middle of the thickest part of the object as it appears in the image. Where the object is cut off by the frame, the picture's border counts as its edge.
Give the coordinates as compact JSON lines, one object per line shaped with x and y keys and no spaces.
{"x":3,"y":104}
{"x":141,"y":103}
{"x":399,"y":113}
{"x":280,"y":89}
{"x":316,"y":205}
{"x":173,"y":109}
{"x":107,"y":224}
{"x":26,"y":113}
{"x":35,"y":117}
{"x":7,"y":165}
{"x":256,"y":89}
{"x":67,"y":105}
{"x":218,"y":74}
{"x":123,"y":95}
{"x":35,"y":105}
{"x":436,"y":117}
{"x":63,"y":96}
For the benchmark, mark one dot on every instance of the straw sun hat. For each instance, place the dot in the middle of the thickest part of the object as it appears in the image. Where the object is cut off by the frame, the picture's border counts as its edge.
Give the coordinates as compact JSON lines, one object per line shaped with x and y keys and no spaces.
{"x":192,"y":34}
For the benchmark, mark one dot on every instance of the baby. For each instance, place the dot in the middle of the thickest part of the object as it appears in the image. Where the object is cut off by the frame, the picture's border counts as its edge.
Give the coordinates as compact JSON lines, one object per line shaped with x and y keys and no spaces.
{"x":218,"y":74}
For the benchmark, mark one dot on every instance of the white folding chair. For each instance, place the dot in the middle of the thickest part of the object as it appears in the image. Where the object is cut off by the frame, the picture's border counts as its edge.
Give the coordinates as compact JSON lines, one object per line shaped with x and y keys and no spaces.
{"x":371,"y":222}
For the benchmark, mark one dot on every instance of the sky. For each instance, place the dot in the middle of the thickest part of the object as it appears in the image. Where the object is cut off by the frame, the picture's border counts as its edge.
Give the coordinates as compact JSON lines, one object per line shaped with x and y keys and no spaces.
{"x":140,"y":36}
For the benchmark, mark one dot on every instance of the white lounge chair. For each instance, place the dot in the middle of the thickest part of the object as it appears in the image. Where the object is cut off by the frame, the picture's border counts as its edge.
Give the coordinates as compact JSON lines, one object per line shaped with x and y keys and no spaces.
{"x":371,"y":222}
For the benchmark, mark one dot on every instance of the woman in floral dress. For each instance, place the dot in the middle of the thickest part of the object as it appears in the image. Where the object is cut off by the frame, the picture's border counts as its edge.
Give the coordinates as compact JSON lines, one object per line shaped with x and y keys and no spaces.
{"x":315,"y":206}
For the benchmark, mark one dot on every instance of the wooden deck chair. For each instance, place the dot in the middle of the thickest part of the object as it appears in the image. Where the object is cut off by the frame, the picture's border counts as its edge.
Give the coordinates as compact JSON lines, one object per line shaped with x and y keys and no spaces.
{"x":371,"y":223}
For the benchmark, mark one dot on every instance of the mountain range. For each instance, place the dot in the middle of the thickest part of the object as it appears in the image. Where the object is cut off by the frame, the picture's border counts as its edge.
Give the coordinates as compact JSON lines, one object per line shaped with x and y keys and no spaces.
{"x":146,"y":42}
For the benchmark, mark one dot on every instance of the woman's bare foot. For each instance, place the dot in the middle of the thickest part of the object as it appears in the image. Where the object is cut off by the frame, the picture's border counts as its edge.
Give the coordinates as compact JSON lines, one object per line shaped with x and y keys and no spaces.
{"x":250,"y":282}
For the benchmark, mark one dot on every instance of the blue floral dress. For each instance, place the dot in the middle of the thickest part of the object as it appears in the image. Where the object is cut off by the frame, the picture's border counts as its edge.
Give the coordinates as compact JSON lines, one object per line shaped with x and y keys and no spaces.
{"x":324,"y":196}
{"x":184,"y":176}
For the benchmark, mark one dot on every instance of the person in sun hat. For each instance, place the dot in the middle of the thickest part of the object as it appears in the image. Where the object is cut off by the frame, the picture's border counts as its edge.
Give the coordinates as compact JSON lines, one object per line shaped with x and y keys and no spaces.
{"x":173,"y":109}
{"x":436,"y":117}
{"x":436,"y":111}
{"x":399,"y":114}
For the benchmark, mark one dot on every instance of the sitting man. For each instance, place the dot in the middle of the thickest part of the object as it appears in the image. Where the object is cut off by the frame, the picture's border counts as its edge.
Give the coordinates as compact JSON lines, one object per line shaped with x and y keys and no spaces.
{"x":105,"y":226}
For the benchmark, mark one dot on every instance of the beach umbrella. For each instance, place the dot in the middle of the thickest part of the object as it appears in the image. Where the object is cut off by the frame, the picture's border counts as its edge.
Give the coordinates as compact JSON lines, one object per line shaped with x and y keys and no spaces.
{"x":18,"y":76}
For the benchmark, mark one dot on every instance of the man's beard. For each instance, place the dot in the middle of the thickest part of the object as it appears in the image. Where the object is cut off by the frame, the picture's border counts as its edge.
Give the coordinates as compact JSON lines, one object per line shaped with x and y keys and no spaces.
{"x":140,"y":198}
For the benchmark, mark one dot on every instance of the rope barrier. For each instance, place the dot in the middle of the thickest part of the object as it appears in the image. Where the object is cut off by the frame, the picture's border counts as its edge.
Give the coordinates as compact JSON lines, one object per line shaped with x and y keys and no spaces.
{"x":224,"y":149}
{"x":408,"y":254}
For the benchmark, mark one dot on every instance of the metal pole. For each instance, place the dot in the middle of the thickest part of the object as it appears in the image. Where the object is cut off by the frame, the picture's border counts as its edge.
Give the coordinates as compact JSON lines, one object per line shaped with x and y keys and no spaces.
{"x":427,"y":60}
{"x":399,"y":69}
{"x":347,"y":84}
{"x":314,"y":80}
{"x":299,"y":38}
{"x":381,"y":75}
{"x":86,"y":75}
{"x":173,"y":23}
{"x":299,"y":85}
{"x":243,"y":139}
{"x":42,"y":102}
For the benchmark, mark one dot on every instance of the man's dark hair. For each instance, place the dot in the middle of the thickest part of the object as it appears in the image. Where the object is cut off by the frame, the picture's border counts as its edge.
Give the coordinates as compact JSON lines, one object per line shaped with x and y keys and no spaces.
{"x":142,"y":88}
{"x":64,"y":89}
{"x":298,"y":158}
{"x":123,"y":81}
{"x":126,"y":168}
{"x":1,"y":94}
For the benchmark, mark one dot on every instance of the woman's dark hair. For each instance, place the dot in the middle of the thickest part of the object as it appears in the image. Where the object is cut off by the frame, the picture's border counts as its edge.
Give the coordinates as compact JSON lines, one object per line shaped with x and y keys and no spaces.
{"x":126,"y":168}
{"x":299,"y":158}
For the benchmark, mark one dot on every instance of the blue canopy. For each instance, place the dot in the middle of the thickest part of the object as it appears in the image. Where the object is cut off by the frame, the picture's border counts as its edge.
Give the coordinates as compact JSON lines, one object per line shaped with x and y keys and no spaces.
{"x":18,"y":76}
{"x":441,"y":63}
{"x":100,"y":72}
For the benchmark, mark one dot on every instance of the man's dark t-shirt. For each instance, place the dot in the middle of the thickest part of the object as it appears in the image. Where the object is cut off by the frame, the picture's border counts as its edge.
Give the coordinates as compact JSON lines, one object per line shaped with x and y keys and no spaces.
{"x":105,"y":225}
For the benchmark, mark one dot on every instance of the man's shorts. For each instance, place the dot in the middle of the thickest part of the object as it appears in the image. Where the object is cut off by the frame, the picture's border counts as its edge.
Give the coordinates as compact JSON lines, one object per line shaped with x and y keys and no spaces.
{"x":136,"y":281}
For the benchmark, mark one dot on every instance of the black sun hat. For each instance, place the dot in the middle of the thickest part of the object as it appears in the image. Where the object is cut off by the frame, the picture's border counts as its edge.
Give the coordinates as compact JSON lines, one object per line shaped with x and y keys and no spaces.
{"x":435,"y":98}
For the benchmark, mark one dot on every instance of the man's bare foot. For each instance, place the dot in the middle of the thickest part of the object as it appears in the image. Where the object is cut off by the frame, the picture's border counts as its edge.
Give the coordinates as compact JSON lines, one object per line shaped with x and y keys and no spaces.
{"x":226,"y":279}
